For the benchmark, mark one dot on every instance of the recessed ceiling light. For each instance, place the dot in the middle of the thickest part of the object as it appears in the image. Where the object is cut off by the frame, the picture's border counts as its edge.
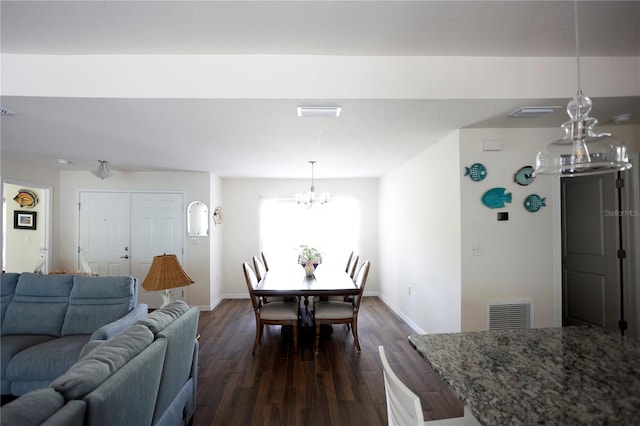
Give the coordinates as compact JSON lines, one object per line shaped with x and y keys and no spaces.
{"x":537,"y":111}
{"x":319,"y":111}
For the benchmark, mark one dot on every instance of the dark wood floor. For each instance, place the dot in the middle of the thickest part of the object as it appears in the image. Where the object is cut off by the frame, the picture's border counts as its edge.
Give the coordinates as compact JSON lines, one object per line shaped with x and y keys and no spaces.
{"x":277,"y":386}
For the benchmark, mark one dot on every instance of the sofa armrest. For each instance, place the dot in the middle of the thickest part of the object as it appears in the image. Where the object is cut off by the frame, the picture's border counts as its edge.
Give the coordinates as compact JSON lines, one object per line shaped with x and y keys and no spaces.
{"x":43,"y":407}
{"x":109,"y":330}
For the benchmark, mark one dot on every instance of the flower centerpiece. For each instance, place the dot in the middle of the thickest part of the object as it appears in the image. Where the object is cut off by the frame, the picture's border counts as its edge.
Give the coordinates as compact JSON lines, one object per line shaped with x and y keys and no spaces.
{"x":309,"y":258}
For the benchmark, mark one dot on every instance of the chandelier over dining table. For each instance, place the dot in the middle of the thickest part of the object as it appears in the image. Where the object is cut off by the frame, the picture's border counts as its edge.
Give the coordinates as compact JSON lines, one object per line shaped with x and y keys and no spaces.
{"x":311,"y":198}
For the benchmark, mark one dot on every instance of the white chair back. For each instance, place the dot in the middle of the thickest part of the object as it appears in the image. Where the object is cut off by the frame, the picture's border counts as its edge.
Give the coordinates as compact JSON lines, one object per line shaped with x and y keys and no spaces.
{"x":403,"y":406}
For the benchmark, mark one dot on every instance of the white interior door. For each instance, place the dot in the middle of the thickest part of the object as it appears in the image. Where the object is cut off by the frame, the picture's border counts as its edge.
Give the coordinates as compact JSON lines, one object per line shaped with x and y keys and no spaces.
{"x":104,"y":232}
{"x":157,"y":227}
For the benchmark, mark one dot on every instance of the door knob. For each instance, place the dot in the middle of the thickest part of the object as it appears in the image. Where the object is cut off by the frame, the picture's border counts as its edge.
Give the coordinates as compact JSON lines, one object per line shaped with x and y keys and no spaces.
{"x":126,"y":256}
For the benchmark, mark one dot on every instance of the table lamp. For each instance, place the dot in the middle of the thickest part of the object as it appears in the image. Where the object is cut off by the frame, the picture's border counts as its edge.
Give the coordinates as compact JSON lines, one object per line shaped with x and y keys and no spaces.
{"x":166,"y":273}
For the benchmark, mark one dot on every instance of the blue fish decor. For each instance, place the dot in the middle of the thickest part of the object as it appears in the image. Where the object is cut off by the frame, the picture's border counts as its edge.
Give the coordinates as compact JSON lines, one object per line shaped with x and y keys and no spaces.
{"x":524,"y":176}
{"x":476,"y":172}
{"x":533,"y":203}
{"x":495,"y":198}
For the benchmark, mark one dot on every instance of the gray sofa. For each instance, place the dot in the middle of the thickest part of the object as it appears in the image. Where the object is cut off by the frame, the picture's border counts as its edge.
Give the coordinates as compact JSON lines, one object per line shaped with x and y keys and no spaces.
{"x":47,"y":320}
{"x":146,"y":375}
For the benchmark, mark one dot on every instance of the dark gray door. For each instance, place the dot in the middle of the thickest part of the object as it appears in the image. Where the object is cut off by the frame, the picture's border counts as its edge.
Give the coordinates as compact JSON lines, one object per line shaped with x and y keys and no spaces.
{"x":590,"y":243}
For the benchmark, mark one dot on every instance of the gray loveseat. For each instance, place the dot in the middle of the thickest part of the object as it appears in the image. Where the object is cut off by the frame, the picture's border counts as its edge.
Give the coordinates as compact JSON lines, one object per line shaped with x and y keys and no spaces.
{"x":47,"y":320}
{"x":146,"y":375}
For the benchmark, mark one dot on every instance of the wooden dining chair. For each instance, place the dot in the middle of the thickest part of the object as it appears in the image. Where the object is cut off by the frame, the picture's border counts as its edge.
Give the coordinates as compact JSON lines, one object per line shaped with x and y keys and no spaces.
{"x":348,"y":263}
{"x":272,"y":313}
{"x":264,"y":260}
{"x":340,"y":312}
{"x":354,"y":267}
{"x":259,"y":268}
{"x":404,"y":407}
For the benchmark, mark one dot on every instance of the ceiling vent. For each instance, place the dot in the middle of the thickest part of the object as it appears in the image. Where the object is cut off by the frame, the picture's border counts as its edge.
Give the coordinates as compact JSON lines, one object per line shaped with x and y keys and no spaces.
{"x":529,"y":112}
{"x":319,"y":111}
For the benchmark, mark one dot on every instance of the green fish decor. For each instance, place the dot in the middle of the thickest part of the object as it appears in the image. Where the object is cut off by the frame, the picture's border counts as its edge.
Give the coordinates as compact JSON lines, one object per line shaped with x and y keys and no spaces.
{"x":534,"y":202}
{"x":524,"y":176}
{"x":476,"y":172}
{"x":495,"y":198}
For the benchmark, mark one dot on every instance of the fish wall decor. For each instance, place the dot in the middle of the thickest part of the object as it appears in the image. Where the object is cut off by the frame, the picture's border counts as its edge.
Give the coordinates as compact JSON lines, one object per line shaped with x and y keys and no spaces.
{"x":26,"y":198}
{"x":524,"y":176}
{"x":534,"y":202}
{"x":476,"y":172}
{"x":496,"y":197}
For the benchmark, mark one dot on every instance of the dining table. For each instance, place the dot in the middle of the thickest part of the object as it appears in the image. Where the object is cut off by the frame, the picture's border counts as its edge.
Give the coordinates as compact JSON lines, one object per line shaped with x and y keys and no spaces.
{"x":293,"y":282}
{"x":578,"y":375}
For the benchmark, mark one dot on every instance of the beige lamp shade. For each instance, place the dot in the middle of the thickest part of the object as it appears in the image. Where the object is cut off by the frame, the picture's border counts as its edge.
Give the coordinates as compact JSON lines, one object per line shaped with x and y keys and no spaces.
{"x":166,"y":273}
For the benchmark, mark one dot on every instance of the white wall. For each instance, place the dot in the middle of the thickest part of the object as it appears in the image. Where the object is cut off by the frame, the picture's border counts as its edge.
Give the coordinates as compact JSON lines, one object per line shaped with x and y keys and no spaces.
{"x":420,"y":238}
{"x":241,"y":208}
{"x":202,"y":261}
{"x":216,"y":255}
{"x":517,"y":258}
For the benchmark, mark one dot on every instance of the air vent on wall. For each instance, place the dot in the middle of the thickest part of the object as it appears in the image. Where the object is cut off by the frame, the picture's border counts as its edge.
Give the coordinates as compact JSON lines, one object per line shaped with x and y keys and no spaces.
{"x":509,"y":314}
{"x":529,"y":112}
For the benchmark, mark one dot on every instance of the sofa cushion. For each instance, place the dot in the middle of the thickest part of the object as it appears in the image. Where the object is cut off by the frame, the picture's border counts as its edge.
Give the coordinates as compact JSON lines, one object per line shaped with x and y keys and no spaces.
{"x":9,"y":347}
{"x":47,"y":360}
{"x":161,"y":318}
{"x":96,"y":301}
{"x":7,"y":288}
{"x":97,"y":366}
{"x":39,"y":305}
{"x":128,"y":396}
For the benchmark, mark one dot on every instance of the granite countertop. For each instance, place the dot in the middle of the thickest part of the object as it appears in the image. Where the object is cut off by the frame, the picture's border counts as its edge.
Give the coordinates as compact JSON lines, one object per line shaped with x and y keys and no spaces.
{"x":563,"y":376}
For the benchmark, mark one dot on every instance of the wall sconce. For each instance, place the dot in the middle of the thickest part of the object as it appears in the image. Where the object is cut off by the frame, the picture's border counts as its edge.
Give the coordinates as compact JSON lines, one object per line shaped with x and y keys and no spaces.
{"x":217,"y":215}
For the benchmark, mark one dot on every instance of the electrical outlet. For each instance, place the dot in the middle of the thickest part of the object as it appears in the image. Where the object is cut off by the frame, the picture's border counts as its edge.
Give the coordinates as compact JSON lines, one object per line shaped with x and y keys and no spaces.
{"x":475,"y":249}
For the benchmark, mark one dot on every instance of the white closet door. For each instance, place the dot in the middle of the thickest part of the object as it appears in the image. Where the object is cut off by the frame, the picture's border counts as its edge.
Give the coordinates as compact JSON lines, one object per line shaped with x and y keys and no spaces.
{"x":121,"y":232}
{"x":104,"y":232}
{"x":157,"y":227}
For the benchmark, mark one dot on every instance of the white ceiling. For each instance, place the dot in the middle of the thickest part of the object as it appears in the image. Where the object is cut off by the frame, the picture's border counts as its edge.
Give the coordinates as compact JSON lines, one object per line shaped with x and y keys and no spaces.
{"x":261,"y":136}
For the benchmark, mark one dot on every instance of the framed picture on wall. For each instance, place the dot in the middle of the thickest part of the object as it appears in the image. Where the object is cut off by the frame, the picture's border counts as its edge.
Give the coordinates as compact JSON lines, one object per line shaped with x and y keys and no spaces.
{"x":24,"y":220}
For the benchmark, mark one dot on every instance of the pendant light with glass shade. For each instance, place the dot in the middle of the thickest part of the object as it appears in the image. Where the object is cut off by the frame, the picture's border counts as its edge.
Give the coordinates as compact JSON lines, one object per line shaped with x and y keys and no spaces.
{"x":582,"y":151}
{"x":311,"y":198}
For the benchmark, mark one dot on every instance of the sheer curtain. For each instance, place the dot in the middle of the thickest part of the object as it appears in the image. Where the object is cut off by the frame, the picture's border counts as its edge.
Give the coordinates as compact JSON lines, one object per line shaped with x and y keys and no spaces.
{"x":332,"y":228}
